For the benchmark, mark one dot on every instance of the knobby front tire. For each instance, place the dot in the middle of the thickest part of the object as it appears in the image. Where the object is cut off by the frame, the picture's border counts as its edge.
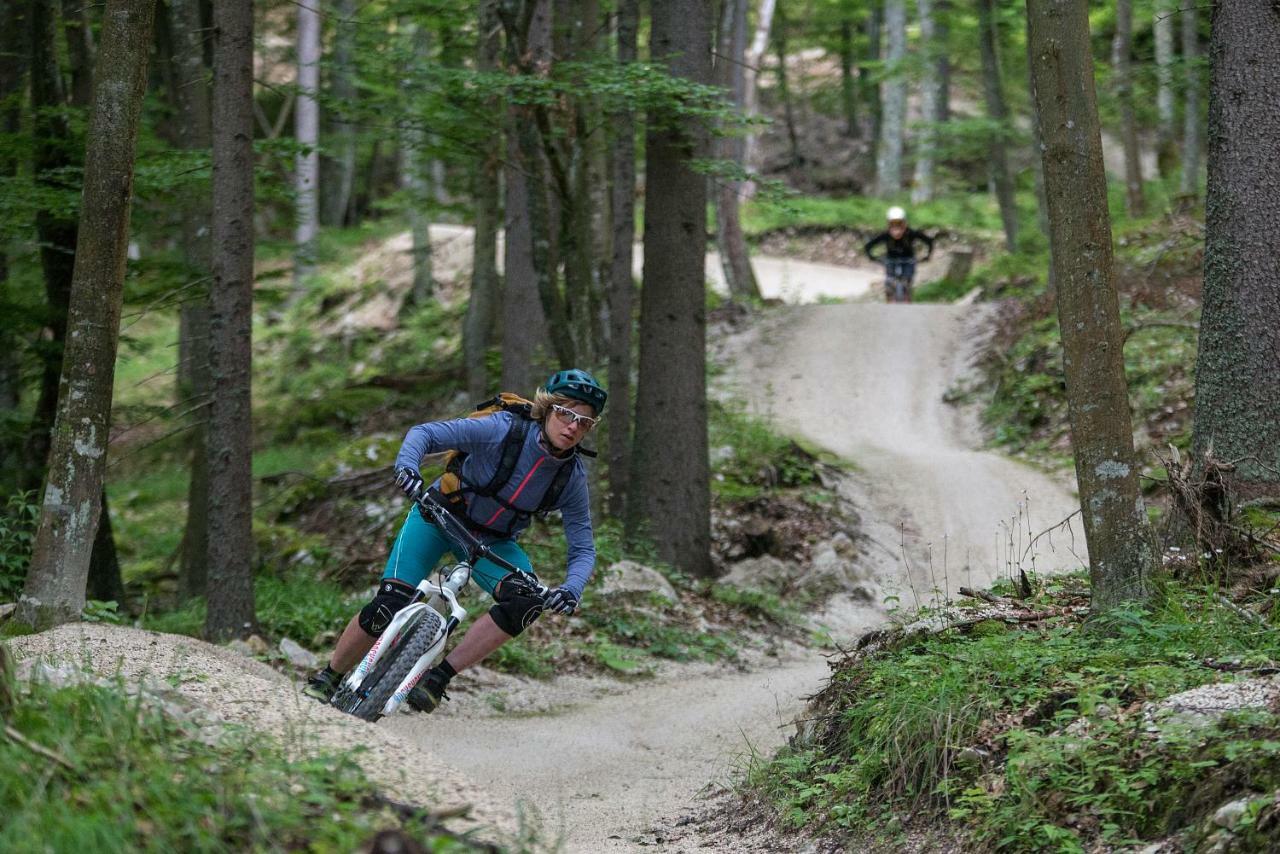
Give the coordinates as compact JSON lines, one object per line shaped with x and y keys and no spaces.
{"x":396,"y":664}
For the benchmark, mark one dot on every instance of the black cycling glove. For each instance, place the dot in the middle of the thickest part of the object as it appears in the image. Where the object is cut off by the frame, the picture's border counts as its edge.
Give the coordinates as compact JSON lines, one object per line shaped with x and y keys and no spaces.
{"x":409,"y":481}
{"x":562,"y":600}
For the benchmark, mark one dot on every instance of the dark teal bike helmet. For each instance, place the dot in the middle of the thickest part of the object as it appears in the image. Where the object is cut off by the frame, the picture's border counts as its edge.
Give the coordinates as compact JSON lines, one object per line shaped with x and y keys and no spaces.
{"x":579,"y":385}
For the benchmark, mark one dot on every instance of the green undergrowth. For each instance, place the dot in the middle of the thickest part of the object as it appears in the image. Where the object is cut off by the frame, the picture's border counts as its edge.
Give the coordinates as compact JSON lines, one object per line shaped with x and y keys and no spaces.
{"x":89,"y":768}
{"x":972,"y":211}
{"x":1033,"y":736}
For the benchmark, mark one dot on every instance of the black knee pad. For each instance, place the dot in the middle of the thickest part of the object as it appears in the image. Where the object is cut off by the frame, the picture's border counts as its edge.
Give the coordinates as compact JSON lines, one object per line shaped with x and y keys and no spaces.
{"x":392,"y":595}
{"x":516,"y":606}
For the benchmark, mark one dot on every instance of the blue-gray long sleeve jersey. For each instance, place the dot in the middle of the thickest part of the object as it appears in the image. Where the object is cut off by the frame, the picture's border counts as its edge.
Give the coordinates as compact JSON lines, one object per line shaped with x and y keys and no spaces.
{"x":481,"y":439}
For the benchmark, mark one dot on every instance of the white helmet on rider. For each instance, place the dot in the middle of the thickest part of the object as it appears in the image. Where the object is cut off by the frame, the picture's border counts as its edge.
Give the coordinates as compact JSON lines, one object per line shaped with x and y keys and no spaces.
{"x":896,"y":214}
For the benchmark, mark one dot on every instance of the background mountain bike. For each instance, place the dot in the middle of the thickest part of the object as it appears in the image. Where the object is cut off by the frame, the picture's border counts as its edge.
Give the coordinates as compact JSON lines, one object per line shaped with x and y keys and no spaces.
{"x":417,"y":635}
{"x":898,"y":273}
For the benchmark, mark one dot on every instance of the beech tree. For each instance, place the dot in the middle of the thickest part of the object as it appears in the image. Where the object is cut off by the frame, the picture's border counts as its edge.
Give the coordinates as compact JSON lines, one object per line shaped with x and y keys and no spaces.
{"x":230,"y":591}
{"x":306,"y":130}
{"x":1122,"y":68}
{"x":735,"y":259}
{"x":73,"y":499}
{"x":993,"y":89}
{"x":670,"y":480}
{"x":1238,"y":366}
{"x":930,"y":98}
{"x":1122,"y":552}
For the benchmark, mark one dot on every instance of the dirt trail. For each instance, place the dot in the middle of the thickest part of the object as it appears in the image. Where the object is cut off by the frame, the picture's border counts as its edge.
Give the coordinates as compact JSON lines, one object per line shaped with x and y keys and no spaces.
{"x":868,"y":381}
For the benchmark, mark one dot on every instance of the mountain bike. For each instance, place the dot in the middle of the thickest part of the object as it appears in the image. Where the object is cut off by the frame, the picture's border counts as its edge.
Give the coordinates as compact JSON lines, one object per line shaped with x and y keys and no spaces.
{"x":418,"y":633}
{"x":898,"y":273}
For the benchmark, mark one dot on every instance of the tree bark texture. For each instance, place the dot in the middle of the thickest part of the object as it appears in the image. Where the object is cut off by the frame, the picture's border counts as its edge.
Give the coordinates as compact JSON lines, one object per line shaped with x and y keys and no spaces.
{"x":1122,"y":65}
{"x":1121,"y":548}
{"x":339,"y":179}
{"x":922,"y":189}
{"x":55,"y":229}
{"x":191,"y":97}
{"x":735,"y":260}
{"x":527,"y":240}
{"x":55,"y":586}
{"x":751,"y":89}
{"x":478,"y":325}
{"x":893,"y":96}
{"x":622,"y":202}
{"x":1162,"y":30}
{"x":306,"y":131}
{"x":670,"y":494}
{"x":1238,"y":367}
{"x":230,"y":598}
{"x":1192,"y":133}
{"x":942,"y":61}
{"x":993,"y":89}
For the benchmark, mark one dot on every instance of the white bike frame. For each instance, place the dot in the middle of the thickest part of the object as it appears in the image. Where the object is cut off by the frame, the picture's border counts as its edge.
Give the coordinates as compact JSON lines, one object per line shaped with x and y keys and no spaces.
{"x":429,"y":595}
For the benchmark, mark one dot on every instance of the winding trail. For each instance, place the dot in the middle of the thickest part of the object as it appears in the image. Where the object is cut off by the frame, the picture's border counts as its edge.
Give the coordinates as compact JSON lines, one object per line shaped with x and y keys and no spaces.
{"x":866,"y":381}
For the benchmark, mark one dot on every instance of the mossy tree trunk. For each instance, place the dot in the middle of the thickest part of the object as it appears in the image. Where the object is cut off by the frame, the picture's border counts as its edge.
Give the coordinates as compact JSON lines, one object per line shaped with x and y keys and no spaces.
{"x":1121,"y":547}
{"x":229,"y":452}
{"x":671,"y":483}
{"x":1238,"y":367}
{"x":73,"y":498}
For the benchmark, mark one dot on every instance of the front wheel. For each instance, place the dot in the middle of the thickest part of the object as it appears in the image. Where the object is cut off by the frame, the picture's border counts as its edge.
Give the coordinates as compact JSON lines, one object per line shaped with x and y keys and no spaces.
{"x":395,"y":666}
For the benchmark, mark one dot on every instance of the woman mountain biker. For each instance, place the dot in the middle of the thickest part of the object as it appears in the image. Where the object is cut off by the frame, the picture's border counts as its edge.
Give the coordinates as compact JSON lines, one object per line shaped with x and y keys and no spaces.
{"x":563,"y":412}
{"x":899,"y":258}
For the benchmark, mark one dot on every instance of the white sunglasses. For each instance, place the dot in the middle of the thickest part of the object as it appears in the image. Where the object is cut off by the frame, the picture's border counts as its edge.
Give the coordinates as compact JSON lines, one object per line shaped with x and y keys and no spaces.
{"x":576,"y":417}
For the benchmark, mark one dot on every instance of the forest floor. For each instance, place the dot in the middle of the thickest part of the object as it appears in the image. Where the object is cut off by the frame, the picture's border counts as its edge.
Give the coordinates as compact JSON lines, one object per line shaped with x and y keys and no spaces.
{"x":600,"y":763}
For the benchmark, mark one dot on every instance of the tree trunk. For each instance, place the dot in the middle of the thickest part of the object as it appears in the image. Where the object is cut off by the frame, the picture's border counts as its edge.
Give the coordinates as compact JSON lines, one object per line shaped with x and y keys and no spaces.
{"x":998,"y":159}
{"x":869,"y":71}
{"x":339,"y":179}
{"x":55,"y":229}
{"x":1192,"y":135}
{"x":191,"y":98}
{"x":306,"y":131}
{"x":622,"y":201}
{"x":1121,"y":61}
{"x":478,"y":325}
{"x":751,"y":90}
{"x":415,"y":178}
{"x":734,"y":257}
{"x":12,"y":71}
{"x":105,"y":583}
{"x":923,"y":190}
{"x":942,"y":62}
{"x":75,"y":24}
{"x":894,"y":98}
{"x":671,"y":479}
{"x":1238,"y":367}
{"x":848,"y":86}
{"x":1121,"y":548}
{"x":1037,"y":166}
{"x":784,"y":87}
{"x":1166,"y":147}
{"x":526,"y":244}
{"x":230,"y":598}
{"x":55,"y":585}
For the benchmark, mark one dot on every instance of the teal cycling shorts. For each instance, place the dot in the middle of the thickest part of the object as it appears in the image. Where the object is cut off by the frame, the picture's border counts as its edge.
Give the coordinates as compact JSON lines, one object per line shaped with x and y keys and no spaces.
{"x":420,"y":545}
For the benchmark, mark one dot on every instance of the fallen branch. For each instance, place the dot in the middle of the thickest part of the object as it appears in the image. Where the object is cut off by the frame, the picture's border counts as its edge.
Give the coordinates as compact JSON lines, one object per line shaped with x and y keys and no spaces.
{"x":1243,"y":613}
{"x":983,"y":595}
{"x":52,"y":756}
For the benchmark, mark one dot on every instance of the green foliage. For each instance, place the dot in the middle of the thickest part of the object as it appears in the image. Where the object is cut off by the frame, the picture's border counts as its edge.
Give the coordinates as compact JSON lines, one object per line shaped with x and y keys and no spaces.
{"x":968,"y":211}
{"x":140,"y":780}
{"x":17,"y":536}
{"x":901,"y":727}
{"x":749,"y":458}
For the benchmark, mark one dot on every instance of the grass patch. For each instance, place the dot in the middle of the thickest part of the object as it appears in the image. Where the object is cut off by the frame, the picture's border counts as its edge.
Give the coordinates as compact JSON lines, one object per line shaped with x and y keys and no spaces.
{"x":137,"y":779}
{"x":1027,"y":738}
